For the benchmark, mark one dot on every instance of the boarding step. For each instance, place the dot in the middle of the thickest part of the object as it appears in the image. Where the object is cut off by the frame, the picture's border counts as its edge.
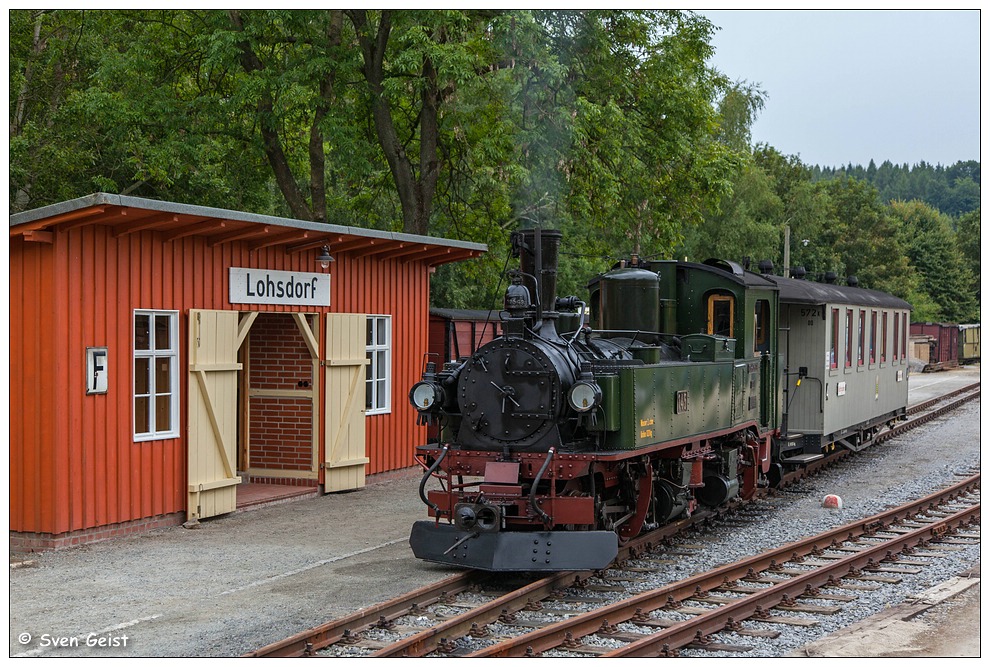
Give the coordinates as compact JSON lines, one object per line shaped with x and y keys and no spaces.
{"x":803,"y":458}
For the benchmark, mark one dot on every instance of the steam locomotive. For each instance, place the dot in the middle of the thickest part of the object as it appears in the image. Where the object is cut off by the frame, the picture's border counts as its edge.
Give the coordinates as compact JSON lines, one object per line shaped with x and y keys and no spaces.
{"x":564,"y":437}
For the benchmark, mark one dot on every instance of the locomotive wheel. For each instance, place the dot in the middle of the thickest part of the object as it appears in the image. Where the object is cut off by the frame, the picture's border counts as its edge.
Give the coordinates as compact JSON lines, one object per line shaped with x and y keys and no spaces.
{"x":641,"y":492}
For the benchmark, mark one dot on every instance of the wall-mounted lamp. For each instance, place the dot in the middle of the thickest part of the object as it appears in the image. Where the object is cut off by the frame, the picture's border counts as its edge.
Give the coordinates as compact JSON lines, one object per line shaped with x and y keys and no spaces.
{"x":325,"y":258}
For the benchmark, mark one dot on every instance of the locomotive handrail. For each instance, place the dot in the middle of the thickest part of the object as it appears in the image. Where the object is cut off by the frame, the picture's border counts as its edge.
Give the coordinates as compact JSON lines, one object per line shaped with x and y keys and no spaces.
{"x":536,"y":482}
{"x":429,"y":473}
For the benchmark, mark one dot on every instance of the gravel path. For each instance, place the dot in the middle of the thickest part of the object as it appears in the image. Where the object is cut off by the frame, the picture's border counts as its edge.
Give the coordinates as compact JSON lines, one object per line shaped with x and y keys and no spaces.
{"x":243,"y":581}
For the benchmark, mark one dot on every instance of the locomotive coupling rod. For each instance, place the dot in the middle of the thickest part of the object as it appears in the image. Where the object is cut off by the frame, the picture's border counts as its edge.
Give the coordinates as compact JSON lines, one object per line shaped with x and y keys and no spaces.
{"x":429,"y":473}
{"x":532,"y":492}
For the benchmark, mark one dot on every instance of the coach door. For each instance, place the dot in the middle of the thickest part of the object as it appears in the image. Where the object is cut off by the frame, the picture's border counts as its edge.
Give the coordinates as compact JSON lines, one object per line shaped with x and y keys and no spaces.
{"x":214,"y":337}
{"x":345,"y":456}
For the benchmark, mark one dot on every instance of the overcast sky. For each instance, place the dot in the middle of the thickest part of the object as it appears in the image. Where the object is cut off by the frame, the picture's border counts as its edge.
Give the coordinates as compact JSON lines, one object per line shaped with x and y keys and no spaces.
{"x":848,"y":85}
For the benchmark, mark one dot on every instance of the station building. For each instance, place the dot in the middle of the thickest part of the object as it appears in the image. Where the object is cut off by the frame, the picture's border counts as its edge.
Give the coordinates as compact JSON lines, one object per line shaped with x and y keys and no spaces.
{"x":168,"y":361}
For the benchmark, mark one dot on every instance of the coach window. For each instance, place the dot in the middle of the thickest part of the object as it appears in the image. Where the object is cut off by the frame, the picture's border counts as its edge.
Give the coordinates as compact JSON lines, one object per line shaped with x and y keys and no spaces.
{"x":833,"y":350}
{"x":849,"y":338}
{"x":861,"y":349}
{"x":873,"y":337}
{"x":897,"y":334}
{"x":761,"y":338}
{"x":904,"y":333}
{"x":721,"y":312}
{"x":883,"y":340}
{"x":379,"y":374}
{"x":156,"y":377}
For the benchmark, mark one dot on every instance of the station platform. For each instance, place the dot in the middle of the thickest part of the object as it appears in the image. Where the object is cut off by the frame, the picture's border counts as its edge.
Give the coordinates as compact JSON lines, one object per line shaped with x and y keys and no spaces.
{"x":925,"y":386}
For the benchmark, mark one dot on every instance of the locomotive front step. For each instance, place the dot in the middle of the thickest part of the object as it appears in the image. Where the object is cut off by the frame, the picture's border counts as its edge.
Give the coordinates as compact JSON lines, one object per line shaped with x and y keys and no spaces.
{"x":531,"y":551}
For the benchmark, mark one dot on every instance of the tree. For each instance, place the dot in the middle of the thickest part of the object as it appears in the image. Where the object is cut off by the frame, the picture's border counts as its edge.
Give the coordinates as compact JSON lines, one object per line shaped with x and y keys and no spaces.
{"x":787,"y":172}
{"x":738,"y":109}
{"x":428,"y":54}
{"x":747,"y":223}
{"x":644,"y":161}
{"x":968,"y":239}
{"x":109,"y":100}
{"x":952,"y":190}
{"x":863,"y":235}
{"x":458,"y":123}
{"x":806,"y":210}
{"x":934,"y":253}
{"x":54,"y":153}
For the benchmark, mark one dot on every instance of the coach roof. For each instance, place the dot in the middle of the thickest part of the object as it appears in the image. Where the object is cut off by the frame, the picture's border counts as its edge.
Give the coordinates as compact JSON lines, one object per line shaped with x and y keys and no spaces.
{"x":807,"y":291}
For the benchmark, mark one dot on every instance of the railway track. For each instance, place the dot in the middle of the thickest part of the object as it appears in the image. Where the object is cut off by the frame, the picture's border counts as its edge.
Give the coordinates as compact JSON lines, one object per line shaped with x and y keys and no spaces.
{"x":792,"y":578}
{"x":483,"y":615}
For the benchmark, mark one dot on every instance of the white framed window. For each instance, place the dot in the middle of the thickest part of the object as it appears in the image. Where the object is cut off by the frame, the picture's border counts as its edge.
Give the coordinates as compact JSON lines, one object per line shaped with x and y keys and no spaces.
{"x":378,"y":385}
{"x":156,"y":374}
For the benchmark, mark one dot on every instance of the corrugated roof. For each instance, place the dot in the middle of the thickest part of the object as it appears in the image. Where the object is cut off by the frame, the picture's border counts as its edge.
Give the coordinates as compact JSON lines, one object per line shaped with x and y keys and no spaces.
{"x":133,"y":214}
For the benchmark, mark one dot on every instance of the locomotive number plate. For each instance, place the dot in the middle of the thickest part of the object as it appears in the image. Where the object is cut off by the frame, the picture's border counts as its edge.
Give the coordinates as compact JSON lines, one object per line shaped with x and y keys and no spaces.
{"x":682,"y":402}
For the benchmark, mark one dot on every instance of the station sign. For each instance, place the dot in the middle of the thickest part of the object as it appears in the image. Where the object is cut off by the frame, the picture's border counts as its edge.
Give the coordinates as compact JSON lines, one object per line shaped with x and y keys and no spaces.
{"x":281,"y":288}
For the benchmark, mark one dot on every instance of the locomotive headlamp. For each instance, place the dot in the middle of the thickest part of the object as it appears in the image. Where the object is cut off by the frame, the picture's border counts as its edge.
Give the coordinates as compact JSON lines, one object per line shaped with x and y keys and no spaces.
{"x":584,"y":395}
{"x":424,"y":395}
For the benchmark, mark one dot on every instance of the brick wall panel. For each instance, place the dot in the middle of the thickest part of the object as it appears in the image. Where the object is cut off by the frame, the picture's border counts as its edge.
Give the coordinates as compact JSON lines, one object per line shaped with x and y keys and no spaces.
{"x":281,"y":428}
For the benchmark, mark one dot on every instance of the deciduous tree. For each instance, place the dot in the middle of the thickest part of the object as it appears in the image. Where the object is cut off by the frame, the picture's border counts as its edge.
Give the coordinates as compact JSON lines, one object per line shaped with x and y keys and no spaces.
{"x":932,"y":249}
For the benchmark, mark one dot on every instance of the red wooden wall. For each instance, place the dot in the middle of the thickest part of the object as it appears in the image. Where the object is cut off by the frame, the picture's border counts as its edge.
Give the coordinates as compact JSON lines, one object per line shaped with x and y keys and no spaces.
{"x":73,"y":461}
{"x":453,"y":338}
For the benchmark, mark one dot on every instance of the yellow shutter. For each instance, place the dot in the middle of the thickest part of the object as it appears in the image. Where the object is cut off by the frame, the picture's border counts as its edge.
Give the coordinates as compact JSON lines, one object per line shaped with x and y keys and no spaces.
{"x":345,"y":386}
{"x":212,"y":434}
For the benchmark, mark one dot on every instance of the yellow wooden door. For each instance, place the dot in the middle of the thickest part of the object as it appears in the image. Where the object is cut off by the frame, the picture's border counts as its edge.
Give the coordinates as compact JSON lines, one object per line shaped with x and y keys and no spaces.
{"x":212,"y":435}
{"x":345,"y":363}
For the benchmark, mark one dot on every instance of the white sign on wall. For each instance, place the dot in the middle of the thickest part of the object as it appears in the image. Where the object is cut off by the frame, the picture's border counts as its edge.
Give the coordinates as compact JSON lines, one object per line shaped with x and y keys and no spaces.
{"x":286,"y":288}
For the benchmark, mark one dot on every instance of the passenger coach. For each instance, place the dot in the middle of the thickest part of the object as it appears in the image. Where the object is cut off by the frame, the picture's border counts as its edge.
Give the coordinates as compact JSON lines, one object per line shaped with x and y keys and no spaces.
{"x":846,"y":365}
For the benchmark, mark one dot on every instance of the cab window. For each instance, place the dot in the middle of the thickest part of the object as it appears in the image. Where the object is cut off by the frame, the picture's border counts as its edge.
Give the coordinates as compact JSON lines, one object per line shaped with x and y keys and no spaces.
{"x":721,"y":312}
{"x":761,"y":333}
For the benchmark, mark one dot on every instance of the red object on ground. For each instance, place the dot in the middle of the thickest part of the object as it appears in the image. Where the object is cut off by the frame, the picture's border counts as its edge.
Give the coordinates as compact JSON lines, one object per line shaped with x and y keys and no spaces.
{"x":832,"y":502}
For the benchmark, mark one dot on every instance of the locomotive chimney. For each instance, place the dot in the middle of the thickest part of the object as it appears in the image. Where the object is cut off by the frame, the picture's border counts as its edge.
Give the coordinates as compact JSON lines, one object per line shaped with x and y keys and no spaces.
{"x":537,"y":250}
